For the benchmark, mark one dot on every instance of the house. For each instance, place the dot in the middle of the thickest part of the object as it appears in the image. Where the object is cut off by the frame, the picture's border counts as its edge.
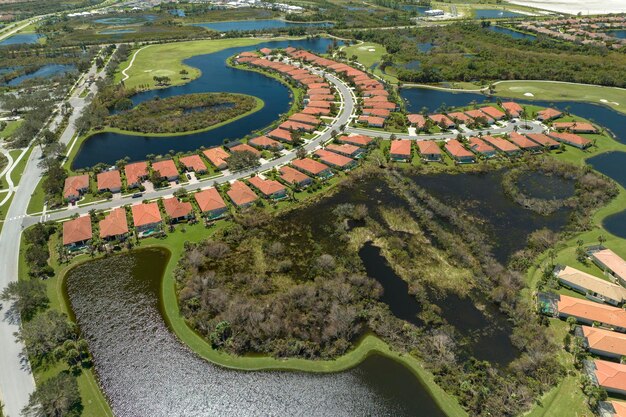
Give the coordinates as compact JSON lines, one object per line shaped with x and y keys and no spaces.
{"x":460,"y":118}
{"x":429,"y":150}
{"x":317,"y":111}
{"x":263,"y":142}
{"x":548,"y":114}
{"x":512,"y":108}
{"x":109,"y":181}
{"x":244,"y":147}
{"x":346,"y":149}
{"x":575,"y":127}
{"x":384,"y":113}
{"x":177,"y":210}
{"x":281,"y":135}
{"x":588,"y":312}
{"x":335,"y":160}
{"x":400,"y":150}
{"x":612,"y":408}
{"x":571,"y":139}
{"x":524,"y":143}
{"x":543,"y":140}
{"x":77,"y":232}
{"x":75,"y":187}
{"x":610,"y":262}
{"x":312,"y":167}
{"x":603,"y":342}
{"x":458,"y":152}
{"x":166,"y":169}
{"x":594,"y":288}
{"x":217,"y":157}
{"x":241,"y":195}
{"x":146,"y":219}
{"x":193,"y":163}
{"x":295,"y":177}
{"x":480,"y":146}
{"x":493,"y":113}
{"x":292,"y":126}
{"x":136,"y":173}
{"x":372,"y":121}
{"x":608,"y":375}
{"x":269,"y":188}
{"x":358,"y":140}
{"x":211,"y":203}
{"x":114,"y":225}
{"x":265,"y":51}
{"x":480,"y":117}
{"x":304,"y":118}
{"x":502,"y":145}
{"x":320,"y":104}
{"x":442,"y":120}
{"x":417,"y":120}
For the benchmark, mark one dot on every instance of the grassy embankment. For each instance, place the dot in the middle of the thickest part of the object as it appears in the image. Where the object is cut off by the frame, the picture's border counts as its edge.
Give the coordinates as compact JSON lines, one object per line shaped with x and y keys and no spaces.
{"x":368,"y":54}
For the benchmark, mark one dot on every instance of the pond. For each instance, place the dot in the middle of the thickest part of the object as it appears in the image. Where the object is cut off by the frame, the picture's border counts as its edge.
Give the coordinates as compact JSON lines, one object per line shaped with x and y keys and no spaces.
{"x":415,"y":8}
{"x":21,"y":38}
{"x":425,"y":47}
{"x":126,"y":20}
{"x":116,"y":31}
{"x":413,"y":65}
{"x":417,"y":98}
{"x":45,"y":71}
{"x":612,"y":165}
{"x":216,"y":77}
{"x":144,"y":370}
{"x":538,"y":185}
{"x":248,"y":25}
{"x":621,"y":34}
{"x":494,"y":14}
{"x":512,"y":33}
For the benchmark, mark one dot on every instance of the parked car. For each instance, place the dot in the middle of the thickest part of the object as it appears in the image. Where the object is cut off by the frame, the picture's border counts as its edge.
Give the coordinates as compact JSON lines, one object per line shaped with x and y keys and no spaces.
{"x":137,"y":195}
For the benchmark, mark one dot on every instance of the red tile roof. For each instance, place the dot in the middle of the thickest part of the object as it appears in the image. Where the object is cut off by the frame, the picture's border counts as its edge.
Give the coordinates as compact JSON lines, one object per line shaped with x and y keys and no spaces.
{"x":77,"y":230}
{"x":580,"y":127}
{"x":244,"y":147}
{"x":109,"y":180}
{"x":74,"y":184}
{"x":166,"y":168}
{"x":592,"y":311}
{"x":513,"y":108}
{"x":193,"y":162}
{"x":114,"y":224}
{"x":605,"y":340}
{"x":305,"y":118}
{"x":281,"y":134}
{"x":265,"y":51}
{"x":548,"y":114}
{"x":217,"y":156}
{"x":334,"y":159}
{"x":241,"y":194}
{"x":417,"y":119}
{"x":135,"y":172}
{"x":344,"y":149}
{"x":292,"y":126}
{"x":428,"y":147}
{"x":480,"y":146}
{"x":144,"y":214}
{"x":372,"y":120}
{"x":542,"y":139}
{"x":359,"y":140}
{"x":477,"y":114}
{"x":522,"y":141}
{"x":501,"y":144}
{"x":456,"y":149}
{"x":316,"y":111}
{"x":292,"y":176}
{"x":400,"y":147}
{"x":209,"y":200}
{"x":310,"y":166}
{"x":570,"y":138}
{"x":264,"y":142}
{"x":493,"y":112}
{"x":610,"y":375}
{"x":441,"y":118}
{"x":267,"y":187}
{"x":384,"y":113}
{"x":320,"y":104}
{"x":175,"y":208}
{"x":461,"y":117}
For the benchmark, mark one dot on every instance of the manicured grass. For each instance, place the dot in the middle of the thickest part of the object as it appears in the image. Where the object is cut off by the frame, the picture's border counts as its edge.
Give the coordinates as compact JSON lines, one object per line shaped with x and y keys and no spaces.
{"x":16,"y":174}
{"x":166,"y":60}
{"x":368,"y":54}
{"x":37,"y":199}
{"x":10,"y":128}
{"x":547,"y":90}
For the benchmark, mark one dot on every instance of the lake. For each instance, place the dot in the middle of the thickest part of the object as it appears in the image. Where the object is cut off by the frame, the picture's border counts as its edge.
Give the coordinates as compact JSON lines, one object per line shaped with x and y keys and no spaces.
{"x":612,"y":165}
{"x":249,"y":25}
{"x":415,"y":8}
{"x":144,"y":370}
{"x":495,"y":14}
{"x":45,"y":71}
{"x":512,"y":33}
{"x":621,"y":33}
{"x":21,"y":38}
{"x":216,"y":77}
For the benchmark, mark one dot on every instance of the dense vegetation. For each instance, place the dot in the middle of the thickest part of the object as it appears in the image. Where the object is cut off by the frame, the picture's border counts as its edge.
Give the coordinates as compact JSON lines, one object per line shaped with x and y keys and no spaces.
{"x":24,"y":8}
{"x":183,"y":113}
{"x":468,"y":52}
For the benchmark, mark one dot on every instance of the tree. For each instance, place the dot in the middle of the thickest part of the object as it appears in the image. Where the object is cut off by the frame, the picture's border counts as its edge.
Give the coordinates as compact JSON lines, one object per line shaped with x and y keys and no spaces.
{"x":45,"y":332}
{"x":300,"y":153}
{"x":27,"y":296}
{"x":55,"y":397}
{"x":183,"y":72}
{"x":239,"y":161}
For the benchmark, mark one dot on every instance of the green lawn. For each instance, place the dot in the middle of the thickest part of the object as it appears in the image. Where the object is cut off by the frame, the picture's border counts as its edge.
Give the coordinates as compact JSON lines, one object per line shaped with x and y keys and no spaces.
{"x":166,"y":60}
{"x":16,"y":174}
{"x":368,"y":54}
{"x":564,"y":91}
{"x":10,"y":128}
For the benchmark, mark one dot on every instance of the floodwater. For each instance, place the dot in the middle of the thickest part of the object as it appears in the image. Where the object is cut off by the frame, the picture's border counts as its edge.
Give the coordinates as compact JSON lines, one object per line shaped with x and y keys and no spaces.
{"x":249,"y":25}
{"x":538,"y":185}
{"x":216,"y":77}
{"x":145,"y":371}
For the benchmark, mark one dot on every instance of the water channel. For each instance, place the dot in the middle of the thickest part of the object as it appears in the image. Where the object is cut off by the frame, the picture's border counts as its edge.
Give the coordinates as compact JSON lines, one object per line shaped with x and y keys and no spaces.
{"x":216,"y":77}
{"x":145,"y":371}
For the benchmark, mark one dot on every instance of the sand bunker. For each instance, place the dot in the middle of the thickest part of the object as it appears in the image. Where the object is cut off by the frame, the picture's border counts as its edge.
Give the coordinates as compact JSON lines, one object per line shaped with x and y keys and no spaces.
{"x":529,"y":94}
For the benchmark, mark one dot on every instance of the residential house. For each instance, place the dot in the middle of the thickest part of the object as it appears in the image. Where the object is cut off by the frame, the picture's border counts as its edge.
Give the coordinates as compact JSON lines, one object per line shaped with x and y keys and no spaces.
{"x":608,"y":375}
{"x":575,"y":127}
{"x":244,"y":147}
{"x":372,"y":121}
{"x":480,"y":117}
{"x":136,"y":173}
{"x":493,"y":113}
{"x":459,"y":153}
{"x":335,"y":160}
{"x":312,"y":167}
{"x":211,"y":203}
{"x":429,"y":150}
{"x":217,"y":157}
{"x":502,"y":145}
{"x":513,"y":109}
{"x":166,"y":169}
{"x":114,"y":225}
{"x":295,"y":177}
{"x":571,"y":139}
{"x":269,"y":188}
{"x":442,"y":120}
{"x":400,"y":150}
{"x":75,"y":187}
{"x":589,"y":312}
{"x":460,"y":118}
{"x":281,"y":135}
{"x":241,"y":195}
{"x":193,"y":163}
{"x":177,"y":210}
{"x":481,"y":147}
{"x":524,"y":143}
{"x":544,"y":140}
{"x":548,"y":114}
{"x":603,"y":342}
{"x":417,"y":120}
{"x":263,"y":142}
{"x":346,"y":149}
{"x":612,"y":408}
{"x":77,"y":233}
{"x":109,"y":181}
{"x":305,"y":118}
{"x":610,"y":262}
{"x":358,"y":140}
{"x":594,"y":288}
{"x":146,"y":219}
